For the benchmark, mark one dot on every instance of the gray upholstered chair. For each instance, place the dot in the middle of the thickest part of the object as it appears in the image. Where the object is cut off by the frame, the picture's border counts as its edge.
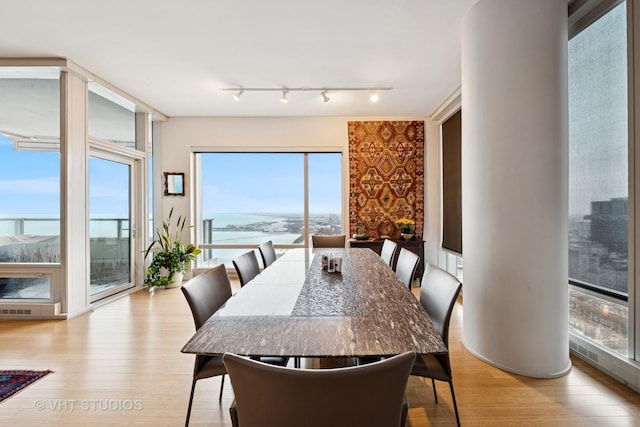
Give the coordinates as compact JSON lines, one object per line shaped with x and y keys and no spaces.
{"x":328,"y":241}
{"x":267,"y":253}
{"x":406,"y":266}
{"x":247,"y":267}
{"x":438,"y":295}
{"x":389,"y":251}
{"x":269,"y":396}
{"x":206,"y":293}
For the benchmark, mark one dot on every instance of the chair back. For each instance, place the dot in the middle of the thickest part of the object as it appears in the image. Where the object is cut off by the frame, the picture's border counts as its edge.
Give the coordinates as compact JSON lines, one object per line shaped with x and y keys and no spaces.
{"x":206,"y":293}
{"x":324,"y":241}
{"x":406,"y":266}
{"x":389,"y":250}
{"x":267,"y":253}
{"x":438,"y":294}
{"x":272,"y":396}
{"x":247,"y":267}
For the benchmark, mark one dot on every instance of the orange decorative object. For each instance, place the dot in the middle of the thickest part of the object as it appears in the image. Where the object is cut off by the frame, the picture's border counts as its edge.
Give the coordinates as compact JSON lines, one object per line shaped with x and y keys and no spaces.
{"x":386,"y":176}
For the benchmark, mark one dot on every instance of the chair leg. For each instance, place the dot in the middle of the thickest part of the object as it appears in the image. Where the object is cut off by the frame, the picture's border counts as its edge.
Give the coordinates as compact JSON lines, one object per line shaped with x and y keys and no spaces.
{"x":193,"y":388}
{"x":455,"y":405}
{"x":221,"y":387}
{"x":435,"y":394}
{"x":405,"y":411}
{"x":233,"y":413}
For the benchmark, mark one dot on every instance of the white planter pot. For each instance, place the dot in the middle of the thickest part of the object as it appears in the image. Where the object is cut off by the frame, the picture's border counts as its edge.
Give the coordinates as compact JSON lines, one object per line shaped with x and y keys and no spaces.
{"x":178,"y":276}
{"x":177,"y":279}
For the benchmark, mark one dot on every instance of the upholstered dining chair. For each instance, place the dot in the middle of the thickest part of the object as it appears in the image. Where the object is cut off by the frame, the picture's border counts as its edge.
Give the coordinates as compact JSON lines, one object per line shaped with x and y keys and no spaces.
{"x":406,"y":266}
{"x":327,"y":241}
{"x":246,"y":266}
{"x":438,"y":294}
{"x":389,"y":251}
{"x":267,"y":253}
{"x":206,"y":293}
{"x":270,"y":396}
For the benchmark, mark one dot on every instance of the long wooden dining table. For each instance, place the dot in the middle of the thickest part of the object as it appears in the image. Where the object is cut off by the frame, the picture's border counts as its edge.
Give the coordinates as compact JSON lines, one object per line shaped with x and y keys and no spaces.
{"x":295,"y":308}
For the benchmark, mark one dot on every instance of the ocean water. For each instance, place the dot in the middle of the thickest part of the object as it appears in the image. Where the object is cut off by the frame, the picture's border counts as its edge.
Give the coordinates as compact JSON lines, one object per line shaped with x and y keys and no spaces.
{"x":223,"y":219}
{"x":275,"y":227}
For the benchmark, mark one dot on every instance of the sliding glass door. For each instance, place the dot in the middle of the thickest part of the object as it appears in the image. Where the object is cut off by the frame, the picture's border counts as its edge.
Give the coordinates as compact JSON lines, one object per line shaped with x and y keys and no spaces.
{"x":245,"y":199}
{"x":110,"y":226}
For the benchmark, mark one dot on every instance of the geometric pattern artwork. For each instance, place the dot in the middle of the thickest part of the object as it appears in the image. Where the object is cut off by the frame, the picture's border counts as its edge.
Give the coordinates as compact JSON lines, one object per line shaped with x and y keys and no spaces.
{"x":386,"y":176}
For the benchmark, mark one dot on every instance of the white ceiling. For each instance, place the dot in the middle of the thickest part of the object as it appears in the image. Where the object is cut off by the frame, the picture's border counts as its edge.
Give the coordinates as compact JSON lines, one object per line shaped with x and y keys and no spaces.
{"x":176,"y":55}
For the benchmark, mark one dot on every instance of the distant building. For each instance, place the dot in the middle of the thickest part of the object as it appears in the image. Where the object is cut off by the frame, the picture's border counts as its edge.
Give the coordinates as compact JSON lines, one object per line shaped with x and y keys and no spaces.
{"x":609,"y":224}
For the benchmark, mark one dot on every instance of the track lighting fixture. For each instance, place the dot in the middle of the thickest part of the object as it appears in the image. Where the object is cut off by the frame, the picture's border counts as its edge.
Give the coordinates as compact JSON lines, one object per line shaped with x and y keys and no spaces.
{"x":373,"y":92}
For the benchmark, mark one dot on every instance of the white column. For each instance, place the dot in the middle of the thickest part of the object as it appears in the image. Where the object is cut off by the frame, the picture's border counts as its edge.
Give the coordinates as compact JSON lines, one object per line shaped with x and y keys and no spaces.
{"x":74,"y":152}
{"x":514,"y":185}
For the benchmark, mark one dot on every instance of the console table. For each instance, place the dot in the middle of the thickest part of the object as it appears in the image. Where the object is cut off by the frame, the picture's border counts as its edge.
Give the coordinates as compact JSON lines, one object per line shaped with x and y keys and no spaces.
{"x":415,"y":246}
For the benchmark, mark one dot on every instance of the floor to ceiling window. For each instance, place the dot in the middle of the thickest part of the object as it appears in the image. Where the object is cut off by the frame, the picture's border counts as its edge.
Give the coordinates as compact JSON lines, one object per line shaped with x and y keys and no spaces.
{"x":114,"y":156}
{"x":29,"y":179}
{"x":69,"y":205}
{"x":599,"y":182}
{"x":248,"y":198}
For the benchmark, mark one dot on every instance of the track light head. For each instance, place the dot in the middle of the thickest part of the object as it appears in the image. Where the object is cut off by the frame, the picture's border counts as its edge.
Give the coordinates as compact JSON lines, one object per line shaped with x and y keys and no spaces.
{"x":324,"y":90}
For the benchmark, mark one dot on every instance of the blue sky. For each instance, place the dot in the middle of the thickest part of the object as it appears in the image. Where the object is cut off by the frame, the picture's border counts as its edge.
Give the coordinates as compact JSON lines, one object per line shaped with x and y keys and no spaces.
{"x":232,"y":182}
{"x":30,"y":183}
{"x":270,"y":183}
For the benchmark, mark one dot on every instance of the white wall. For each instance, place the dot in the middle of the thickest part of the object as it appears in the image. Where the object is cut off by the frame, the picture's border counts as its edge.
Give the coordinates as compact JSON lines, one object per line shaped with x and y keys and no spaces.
{"x":176,"y":138}
{"x":433,"y":252}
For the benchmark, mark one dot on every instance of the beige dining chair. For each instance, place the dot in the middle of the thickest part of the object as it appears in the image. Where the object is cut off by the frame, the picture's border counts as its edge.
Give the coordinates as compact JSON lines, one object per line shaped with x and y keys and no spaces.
{"x":269,"y":396}
{"x":406,"y":266}
{"x":246,"y":266}
{"x":389,"y":251}
{"x":328,"y":241}
{"x":438,"y":294}
{"x":267,"y":253}
{"x":205,"y":294}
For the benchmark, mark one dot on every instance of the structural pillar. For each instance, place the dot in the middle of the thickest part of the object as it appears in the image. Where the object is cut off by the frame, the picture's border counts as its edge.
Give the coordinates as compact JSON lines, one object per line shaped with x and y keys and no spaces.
{"x":514,"y":185}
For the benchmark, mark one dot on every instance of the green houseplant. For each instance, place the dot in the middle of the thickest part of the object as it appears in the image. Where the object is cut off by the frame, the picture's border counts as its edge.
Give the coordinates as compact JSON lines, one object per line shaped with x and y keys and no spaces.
{"x":407,"y":227}
{"x":170,"y":257}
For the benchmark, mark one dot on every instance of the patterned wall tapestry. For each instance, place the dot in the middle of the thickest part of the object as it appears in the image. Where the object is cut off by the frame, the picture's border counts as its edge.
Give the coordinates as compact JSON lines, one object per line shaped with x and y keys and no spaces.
{"x":386,"y":176}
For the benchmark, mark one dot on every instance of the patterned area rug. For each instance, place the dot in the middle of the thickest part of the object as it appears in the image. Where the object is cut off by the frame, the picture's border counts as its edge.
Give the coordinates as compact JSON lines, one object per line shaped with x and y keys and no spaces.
{"x":12,"y":382}
{"x":386,"y":176}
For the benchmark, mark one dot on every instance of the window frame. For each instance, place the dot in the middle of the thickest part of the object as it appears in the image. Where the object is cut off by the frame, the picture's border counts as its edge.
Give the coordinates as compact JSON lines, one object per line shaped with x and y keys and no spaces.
{"x":581,"y":14}
{"x":196,"y":189}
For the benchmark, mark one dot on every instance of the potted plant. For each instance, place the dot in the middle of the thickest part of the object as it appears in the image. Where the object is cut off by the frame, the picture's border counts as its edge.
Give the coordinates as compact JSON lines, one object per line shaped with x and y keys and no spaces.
{"x":170,"y":257}
{"x":407,"y":228}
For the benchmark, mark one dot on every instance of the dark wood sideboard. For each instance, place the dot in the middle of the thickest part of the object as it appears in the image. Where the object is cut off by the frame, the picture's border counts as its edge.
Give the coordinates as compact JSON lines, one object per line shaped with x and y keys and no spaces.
{"x":415,"y":246}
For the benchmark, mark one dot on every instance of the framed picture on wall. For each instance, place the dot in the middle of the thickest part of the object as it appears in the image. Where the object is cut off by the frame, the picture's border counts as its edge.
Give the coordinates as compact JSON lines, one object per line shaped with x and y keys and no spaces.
{"x":173,"y":184}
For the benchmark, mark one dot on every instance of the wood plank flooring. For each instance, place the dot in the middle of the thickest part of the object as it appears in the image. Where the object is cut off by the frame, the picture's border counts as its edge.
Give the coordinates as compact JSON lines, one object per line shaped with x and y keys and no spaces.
{"x":121,"y":365}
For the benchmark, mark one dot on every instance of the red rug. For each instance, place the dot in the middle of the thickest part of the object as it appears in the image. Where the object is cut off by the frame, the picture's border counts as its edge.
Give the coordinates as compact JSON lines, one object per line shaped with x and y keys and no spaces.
{"x":12,"y":382}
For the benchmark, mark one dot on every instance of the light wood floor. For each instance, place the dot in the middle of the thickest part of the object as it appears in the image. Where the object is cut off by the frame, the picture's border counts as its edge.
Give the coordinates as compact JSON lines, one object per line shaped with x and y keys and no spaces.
{"x":121,"y":365}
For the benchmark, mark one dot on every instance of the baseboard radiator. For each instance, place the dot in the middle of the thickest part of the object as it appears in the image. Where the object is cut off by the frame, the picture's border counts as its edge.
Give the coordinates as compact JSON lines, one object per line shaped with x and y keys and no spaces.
{"x":29,"y":311}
